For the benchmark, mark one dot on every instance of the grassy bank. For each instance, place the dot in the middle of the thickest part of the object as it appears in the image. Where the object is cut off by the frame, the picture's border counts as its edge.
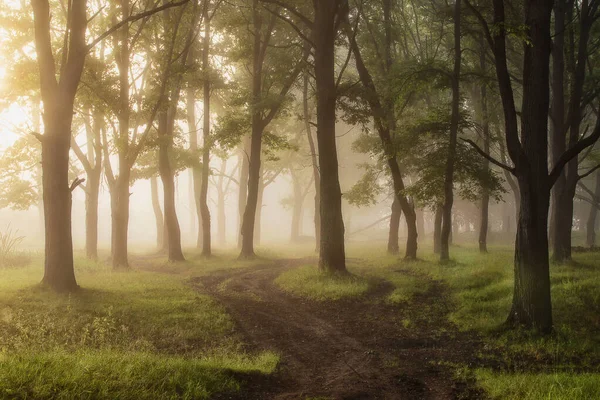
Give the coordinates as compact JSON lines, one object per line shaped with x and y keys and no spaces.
{"x":123,"y":335}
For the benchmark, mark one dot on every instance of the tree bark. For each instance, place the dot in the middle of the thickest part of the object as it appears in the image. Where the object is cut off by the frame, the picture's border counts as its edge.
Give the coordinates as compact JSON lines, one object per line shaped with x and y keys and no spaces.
{"x":332,"y":253}
{"x":204,"y":210}
{"x":314,"y":161}
{"x":120,"y":220}
{"x":437,"y":230}
{"x":297,"y":202}
{"x":158,"y":215}
{"x":449,"y":172}
{"x":243,"y":187}
{"x":393,"y":247}
{"x":58,"y":98}
{"x":254,"y":170}
{"x":485,"y":124}
{"x":591,"y":221}
{"x":196,"y":172}
{"x":168,"y":180}
{"x":531,"y":305}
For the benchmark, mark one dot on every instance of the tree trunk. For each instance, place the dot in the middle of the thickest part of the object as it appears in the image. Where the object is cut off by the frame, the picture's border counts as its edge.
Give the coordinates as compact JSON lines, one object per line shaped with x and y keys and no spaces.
{"x":91,"y":215}
{"x":158,"y":215}
{"x":297,"y":202}
{"x":196,"y":173}
{"x":485,"y":123}
{"x":420,"y":222}
{"x":437,"y":230}
{"x":205,"y":212}
{"x":449,"y":173}
{"x":393,"y":247}
{"x":591,"y":222}
{"x":221,"y":193}
{"x":58,"y":97}
{"x":254,"y":171}
{"x":531,"y":307}
{"x":120,"y":221}
{"x":59,"y":271}
{"x":243,"y":187}
{"x":168,"y":180}
{"x":314,"y":161}
{"x":332,"y":253}
{"x":259,"y":209}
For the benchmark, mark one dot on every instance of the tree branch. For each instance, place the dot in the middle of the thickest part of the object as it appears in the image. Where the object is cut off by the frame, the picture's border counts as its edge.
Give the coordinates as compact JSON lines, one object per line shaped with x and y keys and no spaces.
{"x":488,"y":157}
{"x":134,"y":18}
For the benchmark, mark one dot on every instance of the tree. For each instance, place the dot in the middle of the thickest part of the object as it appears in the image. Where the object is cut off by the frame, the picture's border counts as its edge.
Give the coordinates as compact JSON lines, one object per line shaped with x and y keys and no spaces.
{"x":531,"y":306}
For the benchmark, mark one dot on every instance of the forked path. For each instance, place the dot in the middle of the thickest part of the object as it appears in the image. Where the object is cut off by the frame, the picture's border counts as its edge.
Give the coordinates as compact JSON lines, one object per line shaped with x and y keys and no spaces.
{"x":362,"y":348}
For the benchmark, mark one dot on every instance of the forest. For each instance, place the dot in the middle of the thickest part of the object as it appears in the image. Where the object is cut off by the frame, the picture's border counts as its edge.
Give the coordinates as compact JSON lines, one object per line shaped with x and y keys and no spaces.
{"x":294,"y":199}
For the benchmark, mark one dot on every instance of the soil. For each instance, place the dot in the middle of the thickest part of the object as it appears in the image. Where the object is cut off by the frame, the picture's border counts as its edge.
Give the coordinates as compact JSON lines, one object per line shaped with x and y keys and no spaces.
{"x":361,"y":348}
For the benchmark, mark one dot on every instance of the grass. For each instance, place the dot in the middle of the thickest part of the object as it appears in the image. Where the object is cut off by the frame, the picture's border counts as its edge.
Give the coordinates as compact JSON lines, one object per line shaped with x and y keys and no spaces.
{"x":309,"y":282}
{"x":533,"y":386}
{"x":131,"y":334}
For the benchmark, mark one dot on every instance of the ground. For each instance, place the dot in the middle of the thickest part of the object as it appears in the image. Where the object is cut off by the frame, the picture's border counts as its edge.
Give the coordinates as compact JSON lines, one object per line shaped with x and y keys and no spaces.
{"x":276,"y":328}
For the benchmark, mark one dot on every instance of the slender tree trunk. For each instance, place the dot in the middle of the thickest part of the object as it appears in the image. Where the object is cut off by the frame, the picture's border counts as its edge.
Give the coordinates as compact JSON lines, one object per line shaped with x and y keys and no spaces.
{"x":393,"y":247}
{"x":297,"y":202}
{"x":259,"y":208}
{"x":591,"y":222}
{"x":195,"y":172}
{"x":437,"y":230}
{"x":485,"y":123}
{"x":221,"y":216}
{"x":120,"y":221}
{"x":449,"y":173}
{"x":205,"y":212}
{"x":168,"y":180}
{"x":243,"y":187}
{"x":420,"y":222}
{"x":91,"y":215}
{"x":254,"y":171}
{"x":158,"y":215}
{"x":332,"y":253}
{"x":314,"y":161}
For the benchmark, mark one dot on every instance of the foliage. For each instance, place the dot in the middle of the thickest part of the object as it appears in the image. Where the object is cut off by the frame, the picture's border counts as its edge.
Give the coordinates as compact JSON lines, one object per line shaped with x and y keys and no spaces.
{"x":19,"y":174}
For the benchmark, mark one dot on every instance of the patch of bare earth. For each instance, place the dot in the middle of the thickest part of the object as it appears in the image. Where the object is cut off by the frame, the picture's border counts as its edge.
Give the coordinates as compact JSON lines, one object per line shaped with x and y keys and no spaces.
{"x":362,"y":348}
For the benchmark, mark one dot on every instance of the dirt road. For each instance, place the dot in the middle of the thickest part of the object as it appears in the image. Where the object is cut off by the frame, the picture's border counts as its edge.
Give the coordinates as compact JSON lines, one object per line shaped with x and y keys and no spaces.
{"x":361,"y":348}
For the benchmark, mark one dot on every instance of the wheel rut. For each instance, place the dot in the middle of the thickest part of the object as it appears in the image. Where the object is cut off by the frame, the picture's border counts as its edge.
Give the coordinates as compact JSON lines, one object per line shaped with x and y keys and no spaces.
{"x":348,"y":349}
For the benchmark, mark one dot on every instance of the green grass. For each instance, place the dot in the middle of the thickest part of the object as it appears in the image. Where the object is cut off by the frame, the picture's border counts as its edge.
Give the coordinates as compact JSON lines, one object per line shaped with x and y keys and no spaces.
{"x":107,"y":374}
{"x":309,"y":282}
{"x":534,"y":386}
{"x":124,"y":335}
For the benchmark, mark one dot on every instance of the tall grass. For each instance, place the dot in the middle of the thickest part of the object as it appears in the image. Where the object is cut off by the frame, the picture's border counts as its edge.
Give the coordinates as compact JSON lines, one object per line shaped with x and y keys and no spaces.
{"x":10,"y":256}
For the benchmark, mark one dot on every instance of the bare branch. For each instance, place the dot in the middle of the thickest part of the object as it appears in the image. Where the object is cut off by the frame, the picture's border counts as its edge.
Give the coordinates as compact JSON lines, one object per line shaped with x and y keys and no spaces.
{"x":76,"y":182}
{"x":488,"y":157}
{"x":134,"y":18}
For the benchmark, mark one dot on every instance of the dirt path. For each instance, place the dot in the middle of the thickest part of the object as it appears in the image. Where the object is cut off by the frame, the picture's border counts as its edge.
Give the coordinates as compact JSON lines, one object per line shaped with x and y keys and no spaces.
{"x":354,"y":349}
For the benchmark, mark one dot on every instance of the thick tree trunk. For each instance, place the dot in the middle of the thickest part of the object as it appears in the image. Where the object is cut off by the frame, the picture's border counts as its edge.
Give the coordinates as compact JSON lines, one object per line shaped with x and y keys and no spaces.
{"x":449,"y":173}
{"x":168,"y":180}
{"x":591,"y":221}
{"x":158,"y":215}
{"x":393,"y":247}
{"x":314,"y":162}
{"x":59,"y":271}
{"x":254,"y":170}
{"x":437,"y":230}
{"x":531,"y":305}
{"x":332,"y":253}
{"x":204,"y":211}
